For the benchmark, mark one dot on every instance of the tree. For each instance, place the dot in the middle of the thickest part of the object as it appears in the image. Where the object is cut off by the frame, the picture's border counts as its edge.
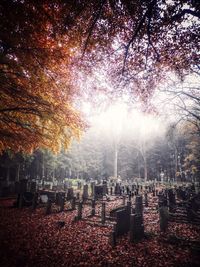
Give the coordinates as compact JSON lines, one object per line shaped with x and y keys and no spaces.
{"x":143,"y":40}
{"x":36,"y":93}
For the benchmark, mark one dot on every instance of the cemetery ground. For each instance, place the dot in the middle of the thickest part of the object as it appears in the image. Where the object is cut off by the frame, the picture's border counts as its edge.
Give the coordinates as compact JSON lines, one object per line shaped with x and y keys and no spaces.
{"x":34,"y":238}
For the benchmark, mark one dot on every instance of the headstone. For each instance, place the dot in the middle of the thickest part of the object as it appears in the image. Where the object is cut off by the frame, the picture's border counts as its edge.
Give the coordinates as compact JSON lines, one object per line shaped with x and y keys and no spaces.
{"x":136,"y":227}
{"x":34,"y":201}
{"x":70,"y":194}
{"x":123,"y":222}
{"x":48,"y":207}
{"x":117,"y":190}
{"x":73,"y":203}
{"x":85,"y":192}
{"x":62,"y":202}
{"x":164,"y":217}
{"x":138,"y":205}
{"x":162,"y":200}
{"x":103,"y":213}
{"x":98,"y":191}
{"x":172,"y":200}
{"x":112,"y":239}
{"x":146,"y":199}
{"x":93,"y":208}
{"x":80,"y":209}
{"x":128,"y":207}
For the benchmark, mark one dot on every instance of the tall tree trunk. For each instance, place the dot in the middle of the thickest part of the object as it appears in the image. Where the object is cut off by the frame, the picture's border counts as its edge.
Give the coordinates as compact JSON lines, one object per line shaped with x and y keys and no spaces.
{"x":175,"y":161}
{"x":17,"y":172}
{"x":8,"y":175}
{"x":139,"y":166}
{"x":145,"y":169}
{"x":115,"y":161}
{"x":42,"y":168}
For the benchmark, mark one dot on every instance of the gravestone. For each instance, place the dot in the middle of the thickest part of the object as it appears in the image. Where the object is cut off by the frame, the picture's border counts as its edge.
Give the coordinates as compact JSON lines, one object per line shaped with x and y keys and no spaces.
{"x":146,"y":199}
{"x":172,"y":200}
{"x":112,"y":239}
{"x":136,"y":227}
{"x":162,"y":200}
{"x":93,"y":207}
{"x":61,"y":202}
{"x":164,"y":218}
{"x":122,"y":221}
{"x":103,"y":213}
{"x":85,"y":192}
{"x":35,"y":201}
{"x":117,"y":189}
{"x":70,"y":194}
{"x":80,"y":210}
{"x":48,"y":207}
{"x":98,"y":191}
{"x":138,"y":205}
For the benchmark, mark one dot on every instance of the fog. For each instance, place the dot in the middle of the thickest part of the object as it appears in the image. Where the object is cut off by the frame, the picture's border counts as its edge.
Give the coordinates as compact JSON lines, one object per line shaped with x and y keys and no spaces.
{"x":121,"y":122}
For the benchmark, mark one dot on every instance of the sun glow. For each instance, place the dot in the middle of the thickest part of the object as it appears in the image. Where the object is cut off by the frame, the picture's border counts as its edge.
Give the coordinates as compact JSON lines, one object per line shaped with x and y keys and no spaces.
{"x":122,"y":121}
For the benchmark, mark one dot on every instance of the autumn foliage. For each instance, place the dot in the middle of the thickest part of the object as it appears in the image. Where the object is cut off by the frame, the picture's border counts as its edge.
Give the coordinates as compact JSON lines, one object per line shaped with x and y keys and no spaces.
{"x":37,"y":240}
{"x":36,"y":90}
{"x":45,"y":44}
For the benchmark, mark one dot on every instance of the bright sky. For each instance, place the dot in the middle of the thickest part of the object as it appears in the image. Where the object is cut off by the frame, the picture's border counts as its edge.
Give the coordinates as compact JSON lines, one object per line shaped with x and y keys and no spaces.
{"x":121,"y":121}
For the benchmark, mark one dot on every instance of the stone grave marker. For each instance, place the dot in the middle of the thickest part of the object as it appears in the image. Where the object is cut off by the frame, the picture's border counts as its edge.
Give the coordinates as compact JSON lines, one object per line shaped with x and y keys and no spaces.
{"x":80,"y":210}
{"x":103,"y":213}
{"x":117,"y":189}
{"x":70,"y":194}
{"x":146,"y":199}
{"x":136,"y":227}
{"x":85,"y":192}
{"x":98,"y":191}
{"x":122,"y":221}
{"x":138,"y":205}
{"x":73,"y":203}
{"x":48,"y":207}
{"x":93,"y":207}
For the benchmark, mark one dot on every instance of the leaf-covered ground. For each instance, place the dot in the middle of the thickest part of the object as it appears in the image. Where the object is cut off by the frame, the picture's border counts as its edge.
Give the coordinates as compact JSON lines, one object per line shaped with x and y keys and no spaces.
{"x":32,"y":239}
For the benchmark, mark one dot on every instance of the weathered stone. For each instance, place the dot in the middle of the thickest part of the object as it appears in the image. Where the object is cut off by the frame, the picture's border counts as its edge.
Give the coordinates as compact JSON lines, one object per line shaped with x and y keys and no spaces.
{"x":93,"y":208}
{"x":103,"y":213}
{"x":164,"y":218}
{"x":48,"y":207}
{"x":136,"y":227}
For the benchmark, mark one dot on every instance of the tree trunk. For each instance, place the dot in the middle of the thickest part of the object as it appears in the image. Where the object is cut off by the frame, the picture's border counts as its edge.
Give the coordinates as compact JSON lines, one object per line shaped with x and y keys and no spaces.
{"x":17,"y":172}
{"x":8,"y":175}
{"x":145,"y":169}
{"x":115,"y":161}
{"x":42,"y":169}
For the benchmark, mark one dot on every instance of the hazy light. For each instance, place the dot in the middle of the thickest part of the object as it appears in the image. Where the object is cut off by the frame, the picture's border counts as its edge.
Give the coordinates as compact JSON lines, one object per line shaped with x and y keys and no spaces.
{"x":120,"y":122}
